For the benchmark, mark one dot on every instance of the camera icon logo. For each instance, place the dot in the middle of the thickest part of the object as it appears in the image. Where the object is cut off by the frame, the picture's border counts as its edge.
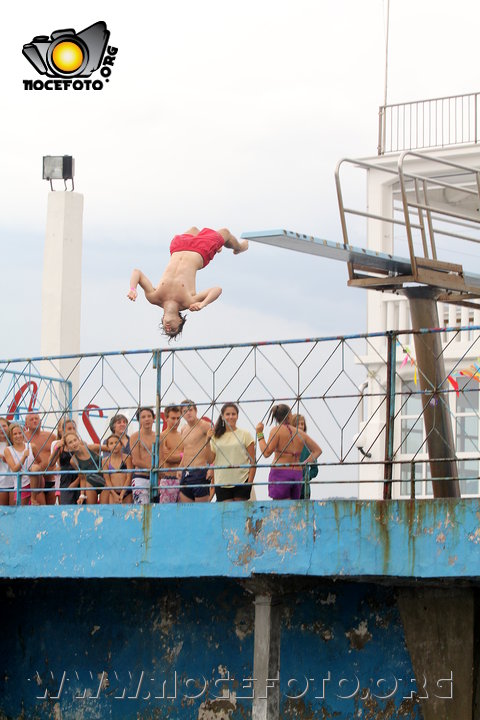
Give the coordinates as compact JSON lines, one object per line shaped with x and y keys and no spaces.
{"x":68,"y":54}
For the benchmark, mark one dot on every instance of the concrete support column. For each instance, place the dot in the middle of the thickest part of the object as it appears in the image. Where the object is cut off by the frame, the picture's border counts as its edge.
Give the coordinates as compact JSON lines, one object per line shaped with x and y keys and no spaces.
{"x":266,"y":660}
{"x":439,"y":632}
{"x":431,"y":376}
{"x":62,"y":282}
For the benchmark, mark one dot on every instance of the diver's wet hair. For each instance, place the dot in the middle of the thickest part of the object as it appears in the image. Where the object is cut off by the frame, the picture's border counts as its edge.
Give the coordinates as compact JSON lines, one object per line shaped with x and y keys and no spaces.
{"x":173,"y":334}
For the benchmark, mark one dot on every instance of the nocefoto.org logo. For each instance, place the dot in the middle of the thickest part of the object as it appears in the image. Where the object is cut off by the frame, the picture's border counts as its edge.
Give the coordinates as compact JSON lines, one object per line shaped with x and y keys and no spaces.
{"x":68,"y":57}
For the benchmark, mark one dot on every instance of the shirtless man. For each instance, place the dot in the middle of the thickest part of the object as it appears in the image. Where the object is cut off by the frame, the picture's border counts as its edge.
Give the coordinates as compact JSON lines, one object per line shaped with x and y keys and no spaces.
{"x":141,"y":443}
{"x":176,"y":290}
{"x":42,"y":439}
{"x":196,"y":454}
{"x":172,"y":453}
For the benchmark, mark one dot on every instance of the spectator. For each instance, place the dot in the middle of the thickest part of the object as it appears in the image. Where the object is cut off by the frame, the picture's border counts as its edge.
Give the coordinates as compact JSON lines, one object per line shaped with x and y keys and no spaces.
{"x":287,"y":443}
{"x":43,"y":439}
{"x":19,"y":456}
{"x":172,"y":452}
{"x":197,"y":454}
{"x":142,"y":455}
{"x":87,"y":462}
{"x":121,"y":479}
{"x":232,"y":446}
{"x":6,"y":481}
{"x":118,"y":426}
{"x":310,"y":470}
{"x":67,"y":482}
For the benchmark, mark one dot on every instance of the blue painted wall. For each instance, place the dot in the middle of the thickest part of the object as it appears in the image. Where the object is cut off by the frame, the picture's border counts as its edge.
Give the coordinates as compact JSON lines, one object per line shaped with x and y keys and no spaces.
{"x":99,"y":636}
{"x":435,"y":538}
{"x":164,"y":589}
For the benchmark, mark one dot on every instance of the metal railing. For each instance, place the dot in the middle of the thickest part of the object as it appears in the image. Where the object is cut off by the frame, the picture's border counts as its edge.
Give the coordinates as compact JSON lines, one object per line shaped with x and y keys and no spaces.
{"x":436,"y":122}
{"x":355,"y":391}
{"x":431,"y":214}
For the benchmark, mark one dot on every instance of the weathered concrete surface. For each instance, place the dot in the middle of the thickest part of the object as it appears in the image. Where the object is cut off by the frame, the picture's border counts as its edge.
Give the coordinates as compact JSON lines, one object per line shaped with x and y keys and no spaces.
{"x":439,"y":625}
{"x":424,"y":539}
{"x":184,"y":650}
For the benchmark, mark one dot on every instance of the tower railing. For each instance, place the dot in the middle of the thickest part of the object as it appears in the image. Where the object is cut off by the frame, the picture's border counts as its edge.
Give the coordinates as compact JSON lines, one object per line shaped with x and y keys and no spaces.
{"x":435,"y":122}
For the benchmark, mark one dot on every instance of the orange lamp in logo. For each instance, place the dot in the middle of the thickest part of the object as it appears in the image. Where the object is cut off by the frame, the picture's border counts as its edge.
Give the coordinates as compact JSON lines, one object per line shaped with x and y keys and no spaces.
{"x":67,"y":57}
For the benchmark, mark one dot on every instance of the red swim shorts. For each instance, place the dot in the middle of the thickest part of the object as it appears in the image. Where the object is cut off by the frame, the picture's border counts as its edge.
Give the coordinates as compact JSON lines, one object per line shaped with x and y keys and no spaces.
{"x":206,"y":243}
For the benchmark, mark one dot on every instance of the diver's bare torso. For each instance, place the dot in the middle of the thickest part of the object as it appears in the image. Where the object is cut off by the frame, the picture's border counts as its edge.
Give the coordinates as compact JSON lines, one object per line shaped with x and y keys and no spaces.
{"x":178,"y":281}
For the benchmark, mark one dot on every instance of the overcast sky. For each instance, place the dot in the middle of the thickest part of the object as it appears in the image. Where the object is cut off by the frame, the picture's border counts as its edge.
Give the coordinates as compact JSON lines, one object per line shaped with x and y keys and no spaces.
{"x":217,"y":114}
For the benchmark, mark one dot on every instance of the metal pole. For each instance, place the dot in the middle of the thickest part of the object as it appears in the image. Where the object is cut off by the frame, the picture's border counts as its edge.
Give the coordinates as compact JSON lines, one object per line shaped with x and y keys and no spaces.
{"x":18,"y":499}
{"x":431,"y":374}
{"x":476,"y":104}
{"x":69,"y":399}
{"x":381,"y":130}
{"x":157,"y":364}
{"x":266,"y":659}
{"x":390,"y":414}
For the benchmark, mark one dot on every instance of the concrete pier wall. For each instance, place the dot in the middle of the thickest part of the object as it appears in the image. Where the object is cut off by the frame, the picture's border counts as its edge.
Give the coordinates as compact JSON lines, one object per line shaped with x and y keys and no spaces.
{"x":357,"y":610}
{"x":426,"y":539}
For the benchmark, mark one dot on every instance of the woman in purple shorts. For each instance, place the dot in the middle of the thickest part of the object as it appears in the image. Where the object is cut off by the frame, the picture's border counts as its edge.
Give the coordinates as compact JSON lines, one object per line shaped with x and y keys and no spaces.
{"x":287,"y":442}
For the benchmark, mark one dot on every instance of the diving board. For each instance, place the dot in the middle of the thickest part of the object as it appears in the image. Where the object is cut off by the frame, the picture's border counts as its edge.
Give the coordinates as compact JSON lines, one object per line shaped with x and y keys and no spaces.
{"x":377,"y":270}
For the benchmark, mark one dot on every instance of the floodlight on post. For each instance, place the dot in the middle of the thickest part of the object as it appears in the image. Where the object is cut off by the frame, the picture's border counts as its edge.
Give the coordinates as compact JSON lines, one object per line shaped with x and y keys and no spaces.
{"x":59,"y":167}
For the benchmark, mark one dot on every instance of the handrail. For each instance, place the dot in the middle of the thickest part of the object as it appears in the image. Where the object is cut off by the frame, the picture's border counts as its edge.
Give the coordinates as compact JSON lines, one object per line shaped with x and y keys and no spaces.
{"x":423,"y":205}
{"x":434,"y":122}
{"x":312,"y":375}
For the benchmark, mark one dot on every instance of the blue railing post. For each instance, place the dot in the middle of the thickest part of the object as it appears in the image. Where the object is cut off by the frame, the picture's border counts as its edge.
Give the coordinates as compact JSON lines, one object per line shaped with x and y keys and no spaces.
{"x":69,"y":398}
{"x":390,"y":413}
{"x":157,"y":365}
{"x":18,"y":500}
{"x":412,"y":480}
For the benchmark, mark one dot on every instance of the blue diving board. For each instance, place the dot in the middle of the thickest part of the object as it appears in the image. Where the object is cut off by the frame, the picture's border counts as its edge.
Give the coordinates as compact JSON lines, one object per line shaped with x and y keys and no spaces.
{"x":365,"y":259}
{"x":335,"y":251}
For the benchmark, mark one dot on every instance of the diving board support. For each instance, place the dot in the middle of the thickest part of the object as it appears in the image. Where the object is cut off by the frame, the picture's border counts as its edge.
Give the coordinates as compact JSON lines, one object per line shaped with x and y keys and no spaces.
{"x":431,"y":374}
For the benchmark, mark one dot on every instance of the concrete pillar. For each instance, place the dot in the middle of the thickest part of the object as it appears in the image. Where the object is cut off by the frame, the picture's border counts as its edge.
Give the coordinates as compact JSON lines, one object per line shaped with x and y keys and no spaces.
{"x":62,"y":283}
{"x":439,"y":628}
{"x":266,"y":659}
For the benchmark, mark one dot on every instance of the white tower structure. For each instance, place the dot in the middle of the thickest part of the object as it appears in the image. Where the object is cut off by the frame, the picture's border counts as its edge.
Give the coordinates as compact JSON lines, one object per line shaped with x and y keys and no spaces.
{"x":454,"y":192}
{"x":62,"y":281}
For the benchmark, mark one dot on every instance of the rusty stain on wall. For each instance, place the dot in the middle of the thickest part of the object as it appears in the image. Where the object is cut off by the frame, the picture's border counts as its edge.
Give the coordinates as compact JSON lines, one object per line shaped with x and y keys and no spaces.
{"x":383,"y":528}
{"x":146,"y":529}
{"x":319,"y":628}
{"x":220,"y":709}
{"x":244,"y":622}
{"x":475,"y":536}
{"x":359,"y":636}
{"x":368,"y":708}
{"x":253,"y":528}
